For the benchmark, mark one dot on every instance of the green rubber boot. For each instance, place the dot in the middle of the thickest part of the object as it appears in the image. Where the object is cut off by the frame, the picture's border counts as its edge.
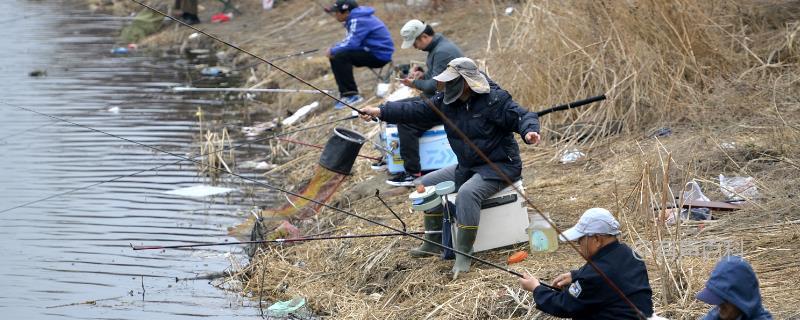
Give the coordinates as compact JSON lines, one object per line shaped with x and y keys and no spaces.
{"x":433,"y":222}
{"x":464,"y":241}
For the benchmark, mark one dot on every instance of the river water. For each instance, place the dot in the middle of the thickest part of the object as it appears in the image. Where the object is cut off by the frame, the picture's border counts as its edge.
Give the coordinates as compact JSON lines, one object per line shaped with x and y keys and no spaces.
{"x":61,"y":253}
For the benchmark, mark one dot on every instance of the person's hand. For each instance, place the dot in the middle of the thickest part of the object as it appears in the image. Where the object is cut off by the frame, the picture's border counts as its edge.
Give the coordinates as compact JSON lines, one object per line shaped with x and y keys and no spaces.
{"x":532,"y":137}
{"x":369,"y":113}
{"x":416,"y":74}
{"x":408,"y":82}
{"x":528,"y":282}
{"x":328,"y":53}
{"x":562,"y":280}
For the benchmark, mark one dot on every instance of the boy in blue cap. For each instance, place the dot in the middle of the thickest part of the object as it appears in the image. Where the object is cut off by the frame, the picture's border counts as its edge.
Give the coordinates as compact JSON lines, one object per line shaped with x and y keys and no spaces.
{"x":368,"y":43}
{"x":733,"y":290}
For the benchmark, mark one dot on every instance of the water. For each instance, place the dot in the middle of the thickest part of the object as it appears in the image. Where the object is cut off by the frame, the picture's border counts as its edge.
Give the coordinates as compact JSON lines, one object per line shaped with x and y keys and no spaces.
{"x":61,"y":252}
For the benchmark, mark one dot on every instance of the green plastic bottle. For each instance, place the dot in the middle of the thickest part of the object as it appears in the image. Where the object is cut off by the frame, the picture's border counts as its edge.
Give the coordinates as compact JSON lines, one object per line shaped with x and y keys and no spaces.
{"x":541,"y":236}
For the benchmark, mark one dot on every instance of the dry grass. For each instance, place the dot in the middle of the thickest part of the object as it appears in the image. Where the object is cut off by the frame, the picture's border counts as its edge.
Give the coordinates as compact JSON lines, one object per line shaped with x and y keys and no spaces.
{"x":714,"y":72}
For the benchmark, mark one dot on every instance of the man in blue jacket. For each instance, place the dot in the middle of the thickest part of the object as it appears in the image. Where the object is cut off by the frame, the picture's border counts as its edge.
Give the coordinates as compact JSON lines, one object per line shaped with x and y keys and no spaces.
{"x":367,"y":43}
{"x":488,"y":117}
{"x":589,"y":296}
{"x":733,"y":290}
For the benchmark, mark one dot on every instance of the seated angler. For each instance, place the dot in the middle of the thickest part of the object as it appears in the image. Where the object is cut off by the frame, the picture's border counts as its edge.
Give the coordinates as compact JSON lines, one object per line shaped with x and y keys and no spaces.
{"x":489,"y":117}
{"x":367,"y":43}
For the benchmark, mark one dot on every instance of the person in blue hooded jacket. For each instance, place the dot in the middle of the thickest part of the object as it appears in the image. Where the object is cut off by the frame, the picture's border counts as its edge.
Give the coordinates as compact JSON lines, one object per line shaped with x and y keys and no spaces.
{"x":733,"y":291}
{"x":367,"y":43}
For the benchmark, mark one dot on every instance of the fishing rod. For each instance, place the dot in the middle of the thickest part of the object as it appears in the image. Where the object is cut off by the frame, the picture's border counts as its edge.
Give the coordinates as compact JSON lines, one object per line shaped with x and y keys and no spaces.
{"x":248,"y":53}
{"x":510,"y":183}
{"x":258,"y":90}
{"x":572,"y":105}
{"x":166,"y":164}
{"x":286,"y":191}
{"x":321,"y":147}
{"x":289,"y":240}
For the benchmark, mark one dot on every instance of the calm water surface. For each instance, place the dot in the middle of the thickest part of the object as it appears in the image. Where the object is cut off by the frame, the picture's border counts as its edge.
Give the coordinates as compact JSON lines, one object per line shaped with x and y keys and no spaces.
{"x":74,"y":248}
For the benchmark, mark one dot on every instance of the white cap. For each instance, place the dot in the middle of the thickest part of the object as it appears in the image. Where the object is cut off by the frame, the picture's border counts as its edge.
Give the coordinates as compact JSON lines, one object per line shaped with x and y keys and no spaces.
{"x":593,"y":221}
{"x":410,"y":31}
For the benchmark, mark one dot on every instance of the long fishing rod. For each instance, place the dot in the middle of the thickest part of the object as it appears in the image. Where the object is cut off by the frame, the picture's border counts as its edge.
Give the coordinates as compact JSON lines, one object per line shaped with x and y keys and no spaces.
{"x":571,"y":105}
{"x":321,"y":147}
{"x":166,"y":164}
{"x":269,"y":186}
{"x":258,"y":90}
{"x":289,"y":240}
{"x":508,"y":182}
{"x":248,"y":53}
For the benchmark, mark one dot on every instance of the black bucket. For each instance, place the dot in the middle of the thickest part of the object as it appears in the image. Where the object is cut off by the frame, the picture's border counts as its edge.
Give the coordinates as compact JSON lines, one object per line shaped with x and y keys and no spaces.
{"x":341,"y":150}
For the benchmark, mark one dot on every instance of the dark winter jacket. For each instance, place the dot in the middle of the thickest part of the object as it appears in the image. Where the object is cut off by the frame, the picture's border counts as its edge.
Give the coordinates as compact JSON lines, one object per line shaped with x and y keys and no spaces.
{"x":440,"y":51}
{"x":488,"y":120}
{"x":734,"y":281}
{"x":590,"y":297}
{"x":365,"y":32}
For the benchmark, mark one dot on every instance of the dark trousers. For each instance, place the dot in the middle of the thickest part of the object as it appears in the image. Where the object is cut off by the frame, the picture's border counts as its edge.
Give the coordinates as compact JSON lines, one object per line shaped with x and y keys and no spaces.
{"x":409,"y":134}
{"x":187,"y":6}
{"x":342,"y":65}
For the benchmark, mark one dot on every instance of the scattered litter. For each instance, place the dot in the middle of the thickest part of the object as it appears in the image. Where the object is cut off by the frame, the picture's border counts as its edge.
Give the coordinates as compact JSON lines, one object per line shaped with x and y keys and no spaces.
{"x":267,"y":4}
{"x":221,"y":17}
{"x":401,"y":93}
{"x":509,"y":11}
{"x":300,"y":114}
{"x":199,"y":51}
{"x":285,"y":231}
{"x":284,"y":308}
{"x":120,"y":50}
{"x":376,"y":296}
{"x":738,"y":188}
{"x":113,"y":109}
{"x":434,"y":24}
{"x":570,"y":156}
{"x":194,"y":35}
{"x":728,"y":145}
{"x":263,"y":165}
{"x":382,"y":89}
{"x":199,"y":191}
{"x":38,"y":73}
{"x":258,"y":128}
{"x":215,"y":71}
{"x":696,"y":214}
{"x":661,"y":132}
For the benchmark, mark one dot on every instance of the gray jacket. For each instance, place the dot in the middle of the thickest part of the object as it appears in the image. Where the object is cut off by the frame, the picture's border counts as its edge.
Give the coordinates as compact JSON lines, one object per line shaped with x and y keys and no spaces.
{"x":440,"y":51}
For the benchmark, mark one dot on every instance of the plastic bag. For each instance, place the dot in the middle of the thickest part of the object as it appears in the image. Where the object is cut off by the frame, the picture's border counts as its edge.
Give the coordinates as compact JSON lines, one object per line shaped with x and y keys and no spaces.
{"x":738,"y":188}
{"x":284,"y":308}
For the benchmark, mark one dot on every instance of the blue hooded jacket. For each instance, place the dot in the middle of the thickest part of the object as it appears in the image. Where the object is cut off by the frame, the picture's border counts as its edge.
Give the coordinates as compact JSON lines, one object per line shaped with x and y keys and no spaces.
{"x":365,"y":32}
{"x":734,"y":281}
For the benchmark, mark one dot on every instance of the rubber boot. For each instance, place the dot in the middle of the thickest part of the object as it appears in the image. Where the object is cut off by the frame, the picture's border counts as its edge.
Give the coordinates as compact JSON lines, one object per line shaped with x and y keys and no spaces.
{"x":433,"y":222}
{"x":464,"y":241}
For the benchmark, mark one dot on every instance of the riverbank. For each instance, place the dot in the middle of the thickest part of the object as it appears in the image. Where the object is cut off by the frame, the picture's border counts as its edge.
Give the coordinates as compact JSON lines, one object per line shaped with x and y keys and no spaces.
{"x":726,"y":95}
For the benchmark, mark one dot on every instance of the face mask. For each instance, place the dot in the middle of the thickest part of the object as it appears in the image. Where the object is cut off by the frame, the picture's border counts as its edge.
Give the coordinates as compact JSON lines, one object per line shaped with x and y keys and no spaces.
{"x":453,"y":90}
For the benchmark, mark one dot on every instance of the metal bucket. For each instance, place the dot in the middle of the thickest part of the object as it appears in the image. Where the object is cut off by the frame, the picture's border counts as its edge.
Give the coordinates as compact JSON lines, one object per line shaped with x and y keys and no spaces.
{"x":341,"y":150}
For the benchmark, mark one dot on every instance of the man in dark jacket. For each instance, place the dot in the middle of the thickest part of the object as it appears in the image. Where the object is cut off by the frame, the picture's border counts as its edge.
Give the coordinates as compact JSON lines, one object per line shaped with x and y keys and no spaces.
{"x":440,"y":52}
{"x":733,"y":290}
{"x":488,"y":117}
{"x":589,"y":296}
{"x":368,"y":43}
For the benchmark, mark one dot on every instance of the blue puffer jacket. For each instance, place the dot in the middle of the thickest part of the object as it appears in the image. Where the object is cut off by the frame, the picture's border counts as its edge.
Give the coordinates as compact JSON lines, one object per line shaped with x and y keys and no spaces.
{"x":365,"y":32}
{"x":488,"y":120}
{"x":734,"y":281}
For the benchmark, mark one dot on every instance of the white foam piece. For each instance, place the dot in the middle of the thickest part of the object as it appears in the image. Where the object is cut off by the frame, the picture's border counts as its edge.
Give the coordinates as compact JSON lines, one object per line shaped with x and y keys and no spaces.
{"x":300,"y":114}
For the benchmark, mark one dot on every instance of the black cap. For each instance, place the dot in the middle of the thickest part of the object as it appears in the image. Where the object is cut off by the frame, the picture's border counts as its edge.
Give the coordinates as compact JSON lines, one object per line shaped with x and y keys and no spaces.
{"x":342,"y":5}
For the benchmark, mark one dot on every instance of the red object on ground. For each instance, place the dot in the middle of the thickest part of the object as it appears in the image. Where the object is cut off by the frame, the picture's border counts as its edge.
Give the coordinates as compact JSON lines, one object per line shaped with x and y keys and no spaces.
{"x":220,"y":17}
{"x":517,"y":257}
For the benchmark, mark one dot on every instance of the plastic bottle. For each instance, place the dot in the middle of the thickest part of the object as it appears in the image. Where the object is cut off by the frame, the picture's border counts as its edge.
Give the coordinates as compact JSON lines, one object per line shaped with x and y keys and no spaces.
{"x":541,"y":236}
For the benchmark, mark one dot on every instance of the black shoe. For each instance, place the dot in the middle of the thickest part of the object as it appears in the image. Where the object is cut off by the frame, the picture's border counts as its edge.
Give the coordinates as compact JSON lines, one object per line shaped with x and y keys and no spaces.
{"x":189,"y":18}
{"x":378,"y":166}
{"x":403,"y":180}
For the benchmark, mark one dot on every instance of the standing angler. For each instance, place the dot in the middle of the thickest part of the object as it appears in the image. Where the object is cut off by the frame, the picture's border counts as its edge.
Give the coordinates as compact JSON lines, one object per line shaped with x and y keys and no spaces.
{"x":489,"y":117}
{"x":368,"y":43}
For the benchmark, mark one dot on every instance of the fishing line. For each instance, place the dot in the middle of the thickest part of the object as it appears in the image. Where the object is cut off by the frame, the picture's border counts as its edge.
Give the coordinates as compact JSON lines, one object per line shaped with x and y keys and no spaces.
{"x":321,"y":147}
{"x":510,"y":183}
{"x":267,"y":185}
{"x":162,"y":165}
{"x":248,"y":53}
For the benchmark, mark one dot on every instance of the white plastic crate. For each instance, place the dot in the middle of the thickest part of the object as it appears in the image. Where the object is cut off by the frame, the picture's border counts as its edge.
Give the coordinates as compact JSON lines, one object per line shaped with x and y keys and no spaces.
{"x":501,"y":225}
